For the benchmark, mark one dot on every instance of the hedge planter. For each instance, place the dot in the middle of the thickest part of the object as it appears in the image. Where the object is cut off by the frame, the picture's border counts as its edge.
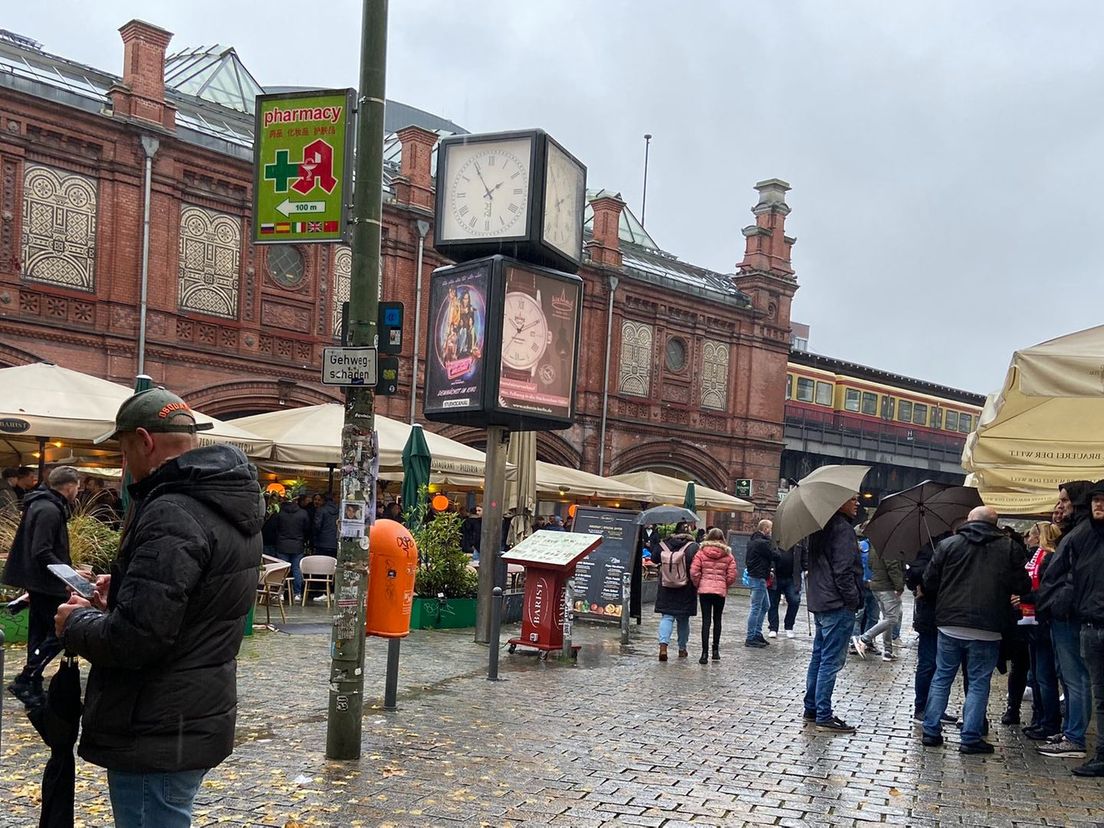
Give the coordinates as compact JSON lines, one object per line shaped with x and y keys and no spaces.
{"x":14,"y":626}
{"x":428,"y":614}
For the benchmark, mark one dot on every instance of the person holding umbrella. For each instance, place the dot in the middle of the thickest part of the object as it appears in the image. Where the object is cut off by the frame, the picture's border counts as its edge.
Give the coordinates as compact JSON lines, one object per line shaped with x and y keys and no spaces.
{"x":676,"y":597}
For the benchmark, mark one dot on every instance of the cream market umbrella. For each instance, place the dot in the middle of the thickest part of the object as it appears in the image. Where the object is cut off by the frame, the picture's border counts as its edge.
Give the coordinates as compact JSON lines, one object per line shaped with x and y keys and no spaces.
{"x":812,"y":502}
{"x":1046,"y":425}
{"x":311,"y":436}
{"x":671,"y":490}
{"x":561,"y":481}
{"x":521,"y":491}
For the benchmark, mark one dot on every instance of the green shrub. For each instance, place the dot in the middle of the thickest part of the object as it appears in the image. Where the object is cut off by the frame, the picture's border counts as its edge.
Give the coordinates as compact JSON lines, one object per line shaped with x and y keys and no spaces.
{"x":442,"y":564}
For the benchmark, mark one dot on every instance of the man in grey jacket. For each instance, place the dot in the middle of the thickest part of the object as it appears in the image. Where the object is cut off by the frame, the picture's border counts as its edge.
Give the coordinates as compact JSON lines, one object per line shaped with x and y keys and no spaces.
{"x":835,"y":581}
{"x":887,"y":585}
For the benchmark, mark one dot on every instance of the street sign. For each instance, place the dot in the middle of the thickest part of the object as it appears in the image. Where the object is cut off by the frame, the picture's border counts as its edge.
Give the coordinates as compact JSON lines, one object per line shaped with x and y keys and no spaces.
{"x":349,"y":366}
{"x":743,"y":487}
{"x":302,"y":166}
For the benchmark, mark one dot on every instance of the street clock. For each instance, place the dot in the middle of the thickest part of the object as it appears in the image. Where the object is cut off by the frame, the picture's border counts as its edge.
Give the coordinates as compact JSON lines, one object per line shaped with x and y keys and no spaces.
{"x":519,"y":194}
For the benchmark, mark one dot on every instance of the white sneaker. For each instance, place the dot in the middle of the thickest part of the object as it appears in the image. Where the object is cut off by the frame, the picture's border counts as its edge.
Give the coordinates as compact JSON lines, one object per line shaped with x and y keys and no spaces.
{"x":888,"y":656}
{"x":772,"y":634}
{"x":789,"y":633}
{"x":859,"y":645}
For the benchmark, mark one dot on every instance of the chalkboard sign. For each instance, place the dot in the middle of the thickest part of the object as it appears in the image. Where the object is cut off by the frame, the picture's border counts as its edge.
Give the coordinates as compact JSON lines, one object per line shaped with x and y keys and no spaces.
{"x":598,"y":576}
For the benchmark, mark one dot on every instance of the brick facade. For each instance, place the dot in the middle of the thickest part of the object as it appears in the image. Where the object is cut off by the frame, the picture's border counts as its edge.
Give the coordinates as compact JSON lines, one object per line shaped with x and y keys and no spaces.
{"x":267,"y":353}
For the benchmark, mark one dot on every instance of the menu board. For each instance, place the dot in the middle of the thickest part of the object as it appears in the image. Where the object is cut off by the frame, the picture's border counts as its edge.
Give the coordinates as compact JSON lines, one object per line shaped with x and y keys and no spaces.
{"x":598,"y":577}
{"x":457,"y":340}
{"x":556,"y":549}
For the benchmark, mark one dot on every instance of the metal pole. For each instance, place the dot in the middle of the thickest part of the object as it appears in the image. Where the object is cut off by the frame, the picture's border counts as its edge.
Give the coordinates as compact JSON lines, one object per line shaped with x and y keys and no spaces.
{"x":626,"y":591}
{"x":358,"y":440}
{"x":644,"y":196}
{"x":496,"y":625}
{"x":568,"y":610}
{"x":41,"y":460}
{"x":150,"y":146}
{"x":490,"y":540}
{"x":1,"y":694}
{"x":423,"y":229}
{"x":613,"y":282}
{"x":391,"y":682}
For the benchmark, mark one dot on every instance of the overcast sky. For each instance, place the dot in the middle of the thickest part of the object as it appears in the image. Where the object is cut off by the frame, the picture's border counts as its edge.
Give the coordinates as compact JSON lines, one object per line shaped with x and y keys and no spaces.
{"x":944,"y":156}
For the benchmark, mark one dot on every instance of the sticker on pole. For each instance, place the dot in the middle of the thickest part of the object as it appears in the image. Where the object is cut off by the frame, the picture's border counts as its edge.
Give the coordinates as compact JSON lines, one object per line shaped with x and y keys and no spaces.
{"x":302,"y":166}
{"x":349,"y":366}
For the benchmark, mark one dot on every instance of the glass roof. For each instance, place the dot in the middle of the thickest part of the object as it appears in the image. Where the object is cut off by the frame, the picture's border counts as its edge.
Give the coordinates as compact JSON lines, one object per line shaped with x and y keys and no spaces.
{"x":630,"y":229}
{"x":213,"y":75}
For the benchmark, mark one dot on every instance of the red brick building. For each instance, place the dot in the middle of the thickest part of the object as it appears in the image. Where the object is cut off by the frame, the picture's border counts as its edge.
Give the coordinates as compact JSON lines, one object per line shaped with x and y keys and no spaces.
{"x":682,"y":369}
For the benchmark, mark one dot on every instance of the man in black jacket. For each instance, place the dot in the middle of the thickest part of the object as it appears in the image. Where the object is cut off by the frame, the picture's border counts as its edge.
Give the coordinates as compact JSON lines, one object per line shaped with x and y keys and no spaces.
{"x":788,"y":566}
{"x":973,"y":574}
{"x":164,"y":634}
{"x":1088,"y":595}
{"x":759,"y":561}
{"x":835,"y":581}
{"x":41,"y":539}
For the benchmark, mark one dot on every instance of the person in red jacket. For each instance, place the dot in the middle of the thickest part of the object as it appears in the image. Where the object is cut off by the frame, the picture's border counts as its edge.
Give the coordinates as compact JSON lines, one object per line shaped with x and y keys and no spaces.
{"x":713,"y":571}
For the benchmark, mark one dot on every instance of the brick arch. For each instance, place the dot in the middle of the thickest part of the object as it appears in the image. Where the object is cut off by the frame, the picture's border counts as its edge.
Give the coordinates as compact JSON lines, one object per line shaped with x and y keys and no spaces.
{"x":551,"y":448}
{"x":677,"y":454}
{"x":251,"y":396}
{"x":10,"y":357}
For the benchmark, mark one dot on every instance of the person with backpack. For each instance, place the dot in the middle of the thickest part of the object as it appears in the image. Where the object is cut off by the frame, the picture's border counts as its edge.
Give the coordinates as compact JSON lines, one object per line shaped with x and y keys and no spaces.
{"x":713,"y":571}
{"x":676,"y":598}
{"x":761,"y":556}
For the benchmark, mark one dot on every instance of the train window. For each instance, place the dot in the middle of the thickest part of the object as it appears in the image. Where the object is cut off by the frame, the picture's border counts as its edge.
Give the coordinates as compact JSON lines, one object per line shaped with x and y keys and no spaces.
{"x":952,"y":421}
{"x":887,"y":408}
{"x":904,"y":411}
{"x":789,"y":386}
{"x":851,"y":400}
{"x":824,"y":393}
{"x":920,"y":414}
{"x":805,"y":388}
{"x":870,"y":404}
{"x":937,"y":417}
{"x":965,"y":423}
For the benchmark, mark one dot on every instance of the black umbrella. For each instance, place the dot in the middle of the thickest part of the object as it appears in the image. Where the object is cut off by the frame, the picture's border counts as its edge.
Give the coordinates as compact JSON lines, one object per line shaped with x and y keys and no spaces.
{"x":57,"y":720}
{"x":906,"y":521}
{"x":666,"y":514}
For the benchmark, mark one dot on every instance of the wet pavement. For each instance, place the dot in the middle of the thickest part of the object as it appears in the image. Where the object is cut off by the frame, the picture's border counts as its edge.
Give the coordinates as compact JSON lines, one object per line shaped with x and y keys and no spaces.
{"x":616,"y":739}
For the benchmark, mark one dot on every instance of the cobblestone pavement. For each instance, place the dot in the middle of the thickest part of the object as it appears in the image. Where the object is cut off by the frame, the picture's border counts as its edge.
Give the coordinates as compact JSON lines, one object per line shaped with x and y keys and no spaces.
{"x":618,"y":739}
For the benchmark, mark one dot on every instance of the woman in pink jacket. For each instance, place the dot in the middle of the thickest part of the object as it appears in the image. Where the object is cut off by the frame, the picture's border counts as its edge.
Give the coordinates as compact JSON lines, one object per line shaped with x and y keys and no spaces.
{"x":713,"y":571}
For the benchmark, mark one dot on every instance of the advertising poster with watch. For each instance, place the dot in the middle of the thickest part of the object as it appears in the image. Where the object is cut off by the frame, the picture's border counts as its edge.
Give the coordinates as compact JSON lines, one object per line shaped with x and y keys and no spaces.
{"x":457,"y":341}
{"x":539,"y":337}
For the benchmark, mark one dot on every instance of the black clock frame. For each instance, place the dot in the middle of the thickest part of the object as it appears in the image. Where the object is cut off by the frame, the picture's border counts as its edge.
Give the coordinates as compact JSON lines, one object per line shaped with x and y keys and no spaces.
{"x":485,"y":408}
{"x":529,"y":246}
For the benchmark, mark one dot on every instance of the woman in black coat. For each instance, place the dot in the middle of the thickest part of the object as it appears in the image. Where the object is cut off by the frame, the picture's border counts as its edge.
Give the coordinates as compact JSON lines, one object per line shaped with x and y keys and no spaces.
{"x":676,"y":604}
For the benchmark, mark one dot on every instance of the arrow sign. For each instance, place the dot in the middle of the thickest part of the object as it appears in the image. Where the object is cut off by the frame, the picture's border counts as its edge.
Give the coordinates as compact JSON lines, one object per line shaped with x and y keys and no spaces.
{"x":288,"y":207}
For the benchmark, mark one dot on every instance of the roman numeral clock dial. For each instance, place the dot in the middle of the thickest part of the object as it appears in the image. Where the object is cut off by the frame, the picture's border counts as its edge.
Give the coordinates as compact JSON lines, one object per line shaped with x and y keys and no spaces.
{"x":487,"y":190}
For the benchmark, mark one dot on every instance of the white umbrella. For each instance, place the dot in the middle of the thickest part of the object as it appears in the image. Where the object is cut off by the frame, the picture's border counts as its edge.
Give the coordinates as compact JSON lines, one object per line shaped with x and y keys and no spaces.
{"x":811,"y":503}
{"x":671,"y":490}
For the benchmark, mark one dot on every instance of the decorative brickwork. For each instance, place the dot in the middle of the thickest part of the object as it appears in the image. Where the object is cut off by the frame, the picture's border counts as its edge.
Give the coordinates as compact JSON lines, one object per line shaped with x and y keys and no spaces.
{"x":714,"y":377}
{"x":342,"y":274}
{"x":210,"y":251}
{"x":59,"y":227}
{"x":636,"y":358}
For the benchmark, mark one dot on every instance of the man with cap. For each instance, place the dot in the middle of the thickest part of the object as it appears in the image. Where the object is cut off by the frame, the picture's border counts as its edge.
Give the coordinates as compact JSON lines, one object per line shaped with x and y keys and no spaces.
{"x":41,"y":539}
{"x":1087,"y":555}
{"x":163,"y":630}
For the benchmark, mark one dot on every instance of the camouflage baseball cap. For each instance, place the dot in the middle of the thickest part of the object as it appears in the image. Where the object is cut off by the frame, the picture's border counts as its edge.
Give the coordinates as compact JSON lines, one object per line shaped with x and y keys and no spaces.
{"x":158,"y":411}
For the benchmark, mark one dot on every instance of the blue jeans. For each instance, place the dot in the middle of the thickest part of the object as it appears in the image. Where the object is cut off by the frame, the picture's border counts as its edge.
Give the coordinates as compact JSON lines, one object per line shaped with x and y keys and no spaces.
{"x":926,"y":644}
{"x":1066,"y":636}
{"x":833,"y":631}
{"x":667,"y":622}
{"x":153,"y":800}
{"x":296,"y":573}
{"x":981,"y":661}
{"x":760,"y":604}
{"x":1044,"y":680}
{"x":791,"y":590}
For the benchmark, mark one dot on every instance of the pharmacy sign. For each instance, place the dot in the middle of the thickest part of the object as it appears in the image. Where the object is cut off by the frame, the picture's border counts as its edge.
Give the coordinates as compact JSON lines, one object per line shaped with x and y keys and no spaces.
{"x":302,"y":166}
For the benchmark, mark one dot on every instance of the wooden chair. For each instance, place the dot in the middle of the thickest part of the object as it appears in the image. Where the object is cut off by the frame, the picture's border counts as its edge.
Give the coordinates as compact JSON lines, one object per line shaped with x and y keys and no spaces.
{"x":318,"y":569}
{"x":270,"y":584}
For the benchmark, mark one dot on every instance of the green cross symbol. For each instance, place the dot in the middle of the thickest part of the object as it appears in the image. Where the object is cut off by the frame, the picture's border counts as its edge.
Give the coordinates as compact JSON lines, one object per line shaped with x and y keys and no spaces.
{"x":282,"y":171}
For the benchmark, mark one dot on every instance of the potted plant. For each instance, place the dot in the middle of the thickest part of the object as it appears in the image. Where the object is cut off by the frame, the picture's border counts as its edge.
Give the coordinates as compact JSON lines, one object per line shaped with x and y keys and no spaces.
{"x":445,"y":586}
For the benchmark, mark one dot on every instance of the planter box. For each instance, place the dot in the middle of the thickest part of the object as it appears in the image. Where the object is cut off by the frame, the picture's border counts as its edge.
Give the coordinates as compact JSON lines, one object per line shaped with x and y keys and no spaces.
{"x":14,"y":626}
{"x":427,"y":615}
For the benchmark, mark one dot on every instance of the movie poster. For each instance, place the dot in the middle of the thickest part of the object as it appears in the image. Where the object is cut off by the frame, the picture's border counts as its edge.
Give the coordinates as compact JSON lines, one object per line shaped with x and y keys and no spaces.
{"x":540,"y":319}
{"x":457,"y":340}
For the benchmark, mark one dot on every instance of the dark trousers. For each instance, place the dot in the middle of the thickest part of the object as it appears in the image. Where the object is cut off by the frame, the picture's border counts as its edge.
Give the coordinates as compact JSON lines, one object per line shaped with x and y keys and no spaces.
{"x":42,"y":644}
{"x":1092,"y":651}
{"x":711,"y":607}
{"x":1044,"y":680}
{"x":926,"y":646}
{"x":791,"y":589}
{"x":1019,"y":662}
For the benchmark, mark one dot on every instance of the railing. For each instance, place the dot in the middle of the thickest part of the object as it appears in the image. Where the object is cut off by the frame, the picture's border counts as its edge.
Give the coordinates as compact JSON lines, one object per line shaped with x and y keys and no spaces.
{"x":856,"y":434}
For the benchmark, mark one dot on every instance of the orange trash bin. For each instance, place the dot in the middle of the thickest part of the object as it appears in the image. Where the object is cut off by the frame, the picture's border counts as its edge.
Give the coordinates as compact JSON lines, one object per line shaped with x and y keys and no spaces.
{"x":392,"y":565}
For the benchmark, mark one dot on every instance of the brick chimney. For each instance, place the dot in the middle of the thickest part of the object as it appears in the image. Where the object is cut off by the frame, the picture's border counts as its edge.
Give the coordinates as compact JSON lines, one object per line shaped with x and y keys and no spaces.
{"x":766,"y":273}
{"x":141,"y":95}
{"x":605,"y":243}
{"x":414,"y":184}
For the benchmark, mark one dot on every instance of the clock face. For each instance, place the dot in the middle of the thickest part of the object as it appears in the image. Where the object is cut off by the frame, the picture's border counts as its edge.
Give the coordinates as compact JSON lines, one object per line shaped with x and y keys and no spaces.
{"x":487,"y":189}
{"x":524,"y":332}
{"x":563,"y":194}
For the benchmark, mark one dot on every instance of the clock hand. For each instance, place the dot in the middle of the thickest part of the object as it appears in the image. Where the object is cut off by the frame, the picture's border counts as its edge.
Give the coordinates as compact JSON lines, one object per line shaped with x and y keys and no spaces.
{"x":486,"y":190}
